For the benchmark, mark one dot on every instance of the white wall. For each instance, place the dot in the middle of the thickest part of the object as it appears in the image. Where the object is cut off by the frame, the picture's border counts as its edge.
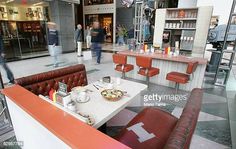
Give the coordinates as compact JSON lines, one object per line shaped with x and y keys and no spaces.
{"x":221,"y":8}
{"x":187,"y":3}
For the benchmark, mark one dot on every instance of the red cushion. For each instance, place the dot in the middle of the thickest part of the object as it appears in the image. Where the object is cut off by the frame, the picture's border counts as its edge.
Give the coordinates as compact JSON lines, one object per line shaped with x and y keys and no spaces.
{"x":178,"y":77}
{"x":127,"y":68}
{"x":155,"y":121}
{"x":150,"y":72}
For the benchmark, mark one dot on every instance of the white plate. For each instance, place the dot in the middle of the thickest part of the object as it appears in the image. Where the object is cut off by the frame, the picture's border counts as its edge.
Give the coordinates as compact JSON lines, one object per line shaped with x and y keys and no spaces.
{"x":79,"y":100}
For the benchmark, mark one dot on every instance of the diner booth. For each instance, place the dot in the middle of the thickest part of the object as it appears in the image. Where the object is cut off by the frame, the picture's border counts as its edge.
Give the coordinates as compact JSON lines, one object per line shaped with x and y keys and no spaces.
{"x":59,"y":109}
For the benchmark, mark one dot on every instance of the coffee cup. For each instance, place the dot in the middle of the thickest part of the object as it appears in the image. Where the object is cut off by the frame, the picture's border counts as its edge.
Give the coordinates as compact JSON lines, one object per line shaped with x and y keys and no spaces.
{"x":82,"y":96}
{"x":72,"y":106}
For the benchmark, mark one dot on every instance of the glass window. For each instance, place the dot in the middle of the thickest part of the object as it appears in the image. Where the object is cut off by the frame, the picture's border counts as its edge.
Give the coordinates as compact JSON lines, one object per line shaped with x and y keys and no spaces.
{"x":24,"y":30}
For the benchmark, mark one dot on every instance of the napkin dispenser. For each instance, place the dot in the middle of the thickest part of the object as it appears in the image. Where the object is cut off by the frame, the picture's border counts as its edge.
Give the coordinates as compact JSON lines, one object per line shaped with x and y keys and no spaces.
{"x":63,"y":99}
{"x":106,"y":79}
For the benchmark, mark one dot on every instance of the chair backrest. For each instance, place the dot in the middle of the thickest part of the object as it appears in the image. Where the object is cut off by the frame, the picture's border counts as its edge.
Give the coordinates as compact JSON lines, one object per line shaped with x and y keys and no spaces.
{"x":181,"y":135}
{"x":119,"y":59}
{"x":42,"y":83}
{"x":192,"y":66}
{"x":145,"y":62}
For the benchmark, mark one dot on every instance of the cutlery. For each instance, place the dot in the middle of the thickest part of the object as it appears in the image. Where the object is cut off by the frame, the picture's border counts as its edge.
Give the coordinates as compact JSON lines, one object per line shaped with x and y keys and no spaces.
{"x":96,"y":87}
{"x":88,"y":90}
{"x":99,"y":86}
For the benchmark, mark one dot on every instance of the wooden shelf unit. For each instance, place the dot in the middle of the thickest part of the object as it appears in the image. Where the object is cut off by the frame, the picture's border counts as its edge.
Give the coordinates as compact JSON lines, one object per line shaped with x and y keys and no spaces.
{"x":186,"y":24}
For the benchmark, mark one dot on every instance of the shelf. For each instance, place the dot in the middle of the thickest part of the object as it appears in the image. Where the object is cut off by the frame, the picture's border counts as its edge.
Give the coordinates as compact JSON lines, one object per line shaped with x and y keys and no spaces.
{"x":181,"y":19}
{"x":174,"y":9}
{"x":181,"y":28}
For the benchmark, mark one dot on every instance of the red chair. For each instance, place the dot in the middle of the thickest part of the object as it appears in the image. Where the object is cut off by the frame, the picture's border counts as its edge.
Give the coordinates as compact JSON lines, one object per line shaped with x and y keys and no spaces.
{"x":182,"y":78}
{"x":146,"y":69}
{"x":122,"y":66}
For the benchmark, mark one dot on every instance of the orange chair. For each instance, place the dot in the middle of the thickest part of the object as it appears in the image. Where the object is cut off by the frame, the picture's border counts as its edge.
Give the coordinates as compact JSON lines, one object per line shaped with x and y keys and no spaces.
{"x":122,"y":66}
{"x":146,"y":69}
{"x":182,"y":78}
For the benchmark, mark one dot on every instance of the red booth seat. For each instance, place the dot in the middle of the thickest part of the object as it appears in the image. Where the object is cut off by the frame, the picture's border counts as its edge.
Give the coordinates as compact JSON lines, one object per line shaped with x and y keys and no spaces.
{"x":168,"y":131}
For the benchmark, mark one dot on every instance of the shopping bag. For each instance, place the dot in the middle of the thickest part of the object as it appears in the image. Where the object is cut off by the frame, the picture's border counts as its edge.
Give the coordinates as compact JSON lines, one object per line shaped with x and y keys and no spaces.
{"x":87,"y":55}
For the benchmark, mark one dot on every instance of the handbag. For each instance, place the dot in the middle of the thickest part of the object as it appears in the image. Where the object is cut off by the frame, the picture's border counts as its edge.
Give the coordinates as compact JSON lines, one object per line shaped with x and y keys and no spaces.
{"x":54,"y":50}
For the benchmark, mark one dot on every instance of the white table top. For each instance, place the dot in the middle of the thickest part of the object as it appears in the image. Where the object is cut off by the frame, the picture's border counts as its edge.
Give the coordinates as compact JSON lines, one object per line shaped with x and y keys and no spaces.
{"x":101,"y":109}
{"x":98,"y":107}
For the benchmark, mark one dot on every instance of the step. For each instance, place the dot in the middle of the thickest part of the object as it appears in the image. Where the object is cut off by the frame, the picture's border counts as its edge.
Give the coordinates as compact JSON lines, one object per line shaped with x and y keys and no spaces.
{"x":224,"y":67}
{"x":233,"y":14}
{"x":221,"y":85}
{"x":226,"y":59}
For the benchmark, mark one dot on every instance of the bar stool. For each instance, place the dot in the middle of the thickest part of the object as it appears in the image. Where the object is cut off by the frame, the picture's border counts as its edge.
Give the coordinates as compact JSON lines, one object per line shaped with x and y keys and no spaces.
{"x":122,"y":66}
{"x":145,"y":67}
{"x":182,"y":78}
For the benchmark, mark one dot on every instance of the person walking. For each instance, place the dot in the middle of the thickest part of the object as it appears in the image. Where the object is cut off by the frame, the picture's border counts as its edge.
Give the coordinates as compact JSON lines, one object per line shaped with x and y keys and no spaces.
{"x":53,"y":43}
{"x":78,"y":39}
{"x":120,"y":34}
{"x":88,"y":37}
{"x":10,"y":75}
{"x":97,"y":39}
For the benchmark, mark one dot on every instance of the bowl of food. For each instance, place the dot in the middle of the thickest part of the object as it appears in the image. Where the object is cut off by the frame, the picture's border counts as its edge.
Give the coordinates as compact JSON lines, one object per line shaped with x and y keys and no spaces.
{"x":112,"y":94}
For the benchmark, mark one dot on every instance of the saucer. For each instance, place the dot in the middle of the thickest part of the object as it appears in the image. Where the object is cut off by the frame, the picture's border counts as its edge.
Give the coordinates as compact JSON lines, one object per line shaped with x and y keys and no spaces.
{"x":80,"y":101}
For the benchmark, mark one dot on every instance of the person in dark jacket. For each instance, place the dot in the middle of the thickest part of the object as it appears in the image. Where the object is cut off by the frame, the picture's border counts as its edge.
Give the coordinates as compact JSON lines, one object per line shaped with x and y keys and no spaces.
{"x":78,"y":39}
{"x":10,"y":75}
{"x":53,"y":41}
{"x":97,"y":38}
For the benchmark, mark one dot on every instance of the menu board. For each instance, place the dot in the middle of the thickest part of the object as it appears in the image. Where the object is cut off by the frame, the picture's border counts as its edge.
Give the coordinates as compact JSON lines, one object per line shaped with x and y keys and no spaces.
{"x":62,"y":88}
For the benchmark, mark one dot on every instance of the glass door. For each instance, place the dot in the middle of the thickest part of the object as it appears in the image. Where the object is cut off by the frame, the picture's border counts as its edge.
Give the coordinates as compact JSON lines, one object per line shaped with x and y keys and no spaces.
{"x":10,"y":39}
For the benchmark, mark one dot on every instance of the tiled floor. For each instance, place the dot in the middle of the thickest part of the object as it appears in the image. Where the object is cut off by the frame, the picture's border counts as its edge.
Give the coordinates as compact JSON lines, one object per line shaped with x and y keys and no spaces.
{"x":213,"y":127}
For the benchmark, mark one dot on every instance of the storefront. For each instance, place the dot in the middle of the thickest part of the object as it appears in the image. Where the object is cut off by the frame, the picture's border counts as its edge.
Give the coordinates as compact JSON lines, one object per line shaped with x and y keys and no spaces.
{"x":105,"y":13}
{"x":23,"y":27}
{"x":106,"y":22}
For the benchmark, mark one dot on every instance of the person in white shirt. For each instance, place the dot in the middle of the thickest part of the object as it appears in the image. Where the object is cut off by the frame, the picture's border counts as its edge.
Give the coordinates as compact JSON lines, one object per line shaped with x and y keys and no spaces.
{"x":78,"y":39}
{"x":88,"y":36}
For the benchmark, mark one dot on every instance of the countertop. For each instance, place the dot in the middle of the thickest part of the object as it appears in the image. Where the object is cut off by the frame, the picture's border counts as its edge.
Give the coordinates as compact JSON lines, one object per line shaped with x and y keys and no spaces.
{"x":179,"y":58}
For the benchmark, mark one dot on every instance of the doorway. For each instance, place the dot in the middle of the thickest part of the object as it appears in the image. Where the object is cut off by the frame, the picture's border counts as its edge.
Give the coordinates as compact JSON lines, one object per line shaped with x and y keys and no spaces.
{"x":106,"y":22}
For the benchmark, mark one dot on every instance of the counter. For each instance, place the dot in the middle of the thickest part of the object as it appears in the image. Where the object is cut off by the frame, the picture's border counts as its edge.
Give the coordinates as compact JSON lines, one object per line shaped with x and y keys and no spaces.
{"x":166,"y":64}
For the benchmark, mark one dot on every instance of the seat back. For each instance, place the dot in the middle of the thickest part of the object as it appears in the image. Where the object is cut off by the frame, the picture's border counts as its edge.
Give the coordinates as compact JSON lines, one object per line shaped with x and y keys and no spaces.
{"x":144,"y":62}
{"x":42,"y":83}
{"x":192,"y":66}
{"x":119,"y":59}
{"x":181,"y":135}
